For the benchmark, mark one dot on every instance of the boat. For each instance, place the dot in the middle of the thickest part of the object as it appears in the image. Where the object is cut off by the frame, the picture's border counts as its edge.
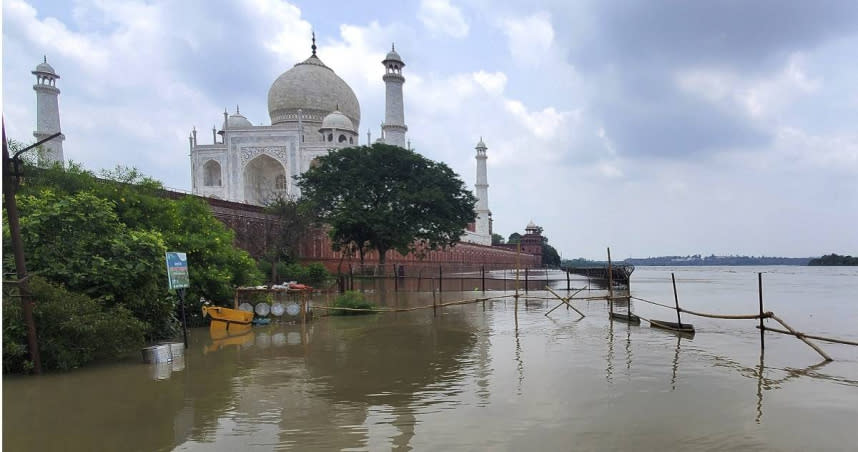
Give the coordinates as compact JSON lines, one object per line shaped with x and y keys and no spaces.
{"x":631,"y":318}
{"x":673,"y":326}
{"x":226,"y":320}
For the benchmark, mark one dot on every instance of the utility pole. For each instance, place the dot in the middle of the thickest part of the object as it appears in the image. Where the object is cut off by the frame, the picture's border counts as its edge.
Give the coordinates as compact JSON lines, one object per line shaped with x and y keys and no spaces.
{"x":10,"y":185}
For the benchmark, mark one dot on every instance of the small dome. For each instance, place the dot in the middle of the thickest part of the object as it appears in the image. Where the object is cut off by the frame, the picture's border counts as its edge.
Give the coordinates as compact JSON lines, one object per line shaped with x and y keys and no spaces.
{"x":237,"y":121}
{"x":531,"y":225}
{"x":45,"y":68}
{"x":482,"y":145}
{"x":337,"y":120}
{"x":393,"y":56}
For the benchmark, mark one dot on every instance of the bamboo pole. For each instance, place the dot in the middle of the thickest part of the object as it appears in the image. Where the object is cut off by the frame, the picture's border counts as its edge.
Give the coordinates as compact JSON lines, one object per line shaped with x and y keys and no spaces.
{"x":564,"y":300}
{"x":801,"y":336}
{"x":676,"y":300}
{"x":610,"y":281}
{"x":762,"y":328}
{"x":811,"y":336}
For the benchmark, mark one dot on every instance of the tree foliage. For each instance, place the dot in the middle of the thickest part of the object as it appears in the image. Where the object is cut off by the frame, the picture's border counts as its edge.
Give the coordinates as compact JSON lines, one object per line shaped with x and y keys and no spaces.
{"x":834,"y":259}
{"x":385,"y":197}
{"x":105,"y":240}
{"x":514,"y":238}
{"x":498,"y":239}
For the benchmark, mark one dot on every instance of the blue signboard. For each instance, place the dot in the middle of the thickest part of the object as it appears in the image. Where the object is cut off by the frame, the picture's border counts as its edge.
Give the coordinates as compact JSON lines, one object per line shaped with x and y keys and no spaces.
{"x":177,"y":271}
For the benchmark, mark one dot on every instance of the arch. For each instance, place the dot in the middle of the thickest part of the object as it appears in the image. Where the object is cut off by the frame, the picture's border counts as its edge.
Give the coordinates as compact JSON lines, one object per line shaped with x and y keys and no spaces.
{"x":330,"y":137}
{"x":211,"y":174}
{"x":263,"y":179}
{"x":351,"y":140}
{"x":342,"y":138}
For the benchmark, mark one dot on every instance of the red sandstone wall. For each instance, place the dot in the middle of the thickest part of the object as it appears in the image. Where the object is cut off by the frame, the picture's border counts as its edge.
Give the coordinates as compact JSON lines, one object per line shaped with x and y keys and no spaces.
{"x":254,"y":231}
{"x":318,"y":249}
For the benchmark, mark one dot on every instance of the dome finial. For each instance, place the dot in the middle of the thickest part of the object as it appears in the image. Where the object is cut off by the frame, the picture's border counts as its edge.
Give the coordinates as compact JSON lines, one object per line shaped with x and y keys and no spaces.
{"x":314,"y":44}
{"x":44,"y":58}
{"x":236,"y":110}
{"x":393,"y":46}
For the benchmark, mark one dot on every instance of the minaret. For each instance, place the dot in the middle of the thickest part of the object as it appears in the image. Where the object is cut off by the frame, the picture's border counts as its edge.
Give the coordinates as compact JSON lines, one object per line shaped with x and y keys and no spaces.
{"x":48,"y":113}
{"x":482,"y":192}
{"x":394,"y":128}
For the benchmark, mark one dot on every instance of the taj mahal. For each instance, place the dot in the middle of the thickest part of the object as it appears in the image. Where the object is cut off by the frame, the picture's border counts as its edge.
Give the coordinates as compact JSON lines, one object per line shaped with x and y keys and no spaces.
{"x":313,"y":111}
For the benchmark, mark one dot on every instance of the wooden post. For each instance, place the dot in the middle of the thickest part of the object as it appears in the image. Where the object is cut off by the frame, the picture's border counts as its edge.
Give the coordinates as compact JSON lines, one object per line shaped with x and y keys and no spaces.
{"x":568,"y":287}
{"x":440,"y":278}
{"x":434,"y":305}
{"x":351,"y":278}
{"x":303,"y":309}
{"x":610,"y":281}
{"x":483,"y":280}
{"x":676,"y":300}
{"x":762,"y":329}
{"x":526,"y":280}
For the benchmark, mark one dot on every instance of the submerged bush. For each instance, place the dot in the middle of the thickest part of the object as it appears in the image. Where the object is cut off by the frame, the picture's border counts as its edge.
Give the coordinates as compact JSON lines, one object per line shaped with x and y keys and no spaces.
{"x":73,"y":329}
{"x":352,"y":300}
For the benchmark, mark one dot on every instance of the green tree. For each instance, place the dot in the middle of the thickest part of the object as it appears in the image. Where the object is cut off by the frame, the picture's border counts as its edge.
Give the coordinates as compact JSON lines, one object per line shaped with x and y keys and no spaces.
{"x":497,"y":239}
{"x":550,"y":256}
{"x":385,"y":197}
{"x":514,"y":238}
{"x":295,"y":218}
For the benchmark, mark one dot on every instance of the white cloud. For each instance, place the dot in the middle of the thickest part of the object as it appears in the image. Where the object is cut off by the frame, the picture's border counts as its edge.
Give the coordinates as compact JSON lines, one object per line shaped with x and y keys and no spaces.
{"x":529,"y":38}
{"x":494,"y":82}
{"x":758,"y":98}
{"x":440,"y":17}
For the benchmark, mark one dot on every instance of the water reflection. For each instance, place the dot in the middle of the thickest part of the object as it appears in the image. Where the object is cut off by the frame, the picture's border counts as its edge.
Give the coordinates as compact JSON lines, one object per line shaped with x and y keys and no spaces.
{"x":452,"y":381}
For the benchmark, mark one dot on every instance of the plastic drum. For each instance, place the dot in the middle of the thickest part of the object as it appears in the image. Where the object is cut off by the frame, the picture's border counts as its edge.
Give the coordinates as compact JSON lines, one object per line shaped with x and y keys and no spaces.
{"x":262,"y":309}
{"x":293,"y":309}
{"x":245,"y":307}
{"x":277,"y":309}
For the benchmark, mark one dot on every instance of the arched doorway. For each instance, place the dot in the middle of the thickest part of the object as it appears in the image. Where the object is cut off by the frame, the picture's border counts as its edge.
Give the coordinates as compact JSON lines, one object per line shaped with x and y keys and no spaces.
{"x":264,"y":180}
{"x":211,"y":174}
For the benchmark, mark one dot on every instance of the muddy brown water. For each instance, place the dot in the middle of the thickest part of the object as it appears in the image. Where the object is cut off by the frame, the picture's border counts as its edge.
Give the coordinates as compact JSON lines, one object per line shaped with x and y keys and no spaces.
{"x":475,"y":379}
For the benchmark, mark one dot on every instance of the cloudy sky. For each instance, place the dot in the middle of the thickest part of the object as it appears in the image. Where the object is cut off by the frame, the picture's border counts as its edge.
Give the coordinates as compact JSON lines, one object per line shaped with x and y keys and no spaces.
{"x":652,"y":127}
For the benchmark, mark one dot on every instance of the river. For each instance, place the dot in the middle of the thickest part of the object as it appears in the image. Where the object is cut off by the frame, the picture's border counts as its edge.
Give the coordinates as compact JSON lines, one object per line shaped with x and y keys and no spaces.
{"x":476,"y":378}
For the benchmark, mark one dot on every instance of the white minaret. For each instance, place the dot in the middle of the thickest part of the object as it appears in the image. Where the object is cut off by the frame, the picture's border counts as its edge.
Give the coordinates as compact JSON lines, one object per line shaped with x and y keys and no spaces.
{"x":48,"y":113}
{"x":483,"y":226}
{"x":394,"y":128}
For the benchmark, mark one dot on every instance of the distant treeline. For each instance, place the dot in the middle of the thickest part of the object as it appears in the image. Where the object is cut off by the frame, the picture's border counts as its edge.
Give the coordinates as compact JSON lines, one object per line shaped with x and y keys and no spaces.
{"x":834,"y":259}
{"x":697,"y":259}
{"x":718,"y":260}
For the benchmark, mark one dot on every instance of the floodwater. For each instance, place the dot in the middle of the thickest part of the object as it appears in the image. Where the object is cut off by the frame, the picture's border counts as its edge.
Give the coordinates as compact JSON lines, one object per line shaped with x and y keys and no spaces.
{"x":475,"y":379}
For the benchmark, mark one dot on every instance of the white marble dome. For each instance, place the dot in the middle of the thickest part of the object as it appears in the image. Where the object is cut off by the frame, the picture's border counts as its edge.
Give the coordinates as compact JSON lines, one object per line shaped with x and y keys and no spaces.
{"x":313,"y":88}
{"x":337,"y":120}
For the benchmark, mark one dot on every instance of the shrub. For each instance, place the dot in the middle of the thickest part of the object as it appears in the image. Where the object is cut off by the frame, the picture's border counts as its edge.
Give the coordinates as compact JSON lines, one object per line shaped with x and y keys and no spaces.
{"x":73,"y":329}
{"x":352,"y":299}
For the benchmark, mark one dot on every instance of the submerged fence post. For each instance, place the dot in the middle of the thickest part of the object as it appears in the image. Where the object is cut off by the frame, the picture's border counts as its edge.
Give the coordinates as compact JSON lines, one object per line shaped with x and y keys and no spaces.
{"x":526,"y":281}
{"x":567,"y":280}
{"x":762,"y":329}
{"x":610,"y":282}
{"x":483,"y":279}
{"x":434,"y":306}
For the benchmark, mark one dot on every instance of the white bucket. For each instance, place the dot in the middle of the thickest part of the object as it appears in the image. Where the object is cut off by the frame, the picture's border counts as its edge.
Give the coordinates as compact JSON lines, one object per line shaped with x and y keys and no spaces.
{"x":157,"y":354}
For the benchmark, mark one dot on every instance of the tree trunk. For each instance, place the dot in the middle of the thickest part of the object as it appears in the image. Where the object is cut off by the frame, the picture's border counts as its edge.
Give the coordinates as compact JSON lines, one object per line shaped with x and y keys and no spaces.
{"x":382,"y":255}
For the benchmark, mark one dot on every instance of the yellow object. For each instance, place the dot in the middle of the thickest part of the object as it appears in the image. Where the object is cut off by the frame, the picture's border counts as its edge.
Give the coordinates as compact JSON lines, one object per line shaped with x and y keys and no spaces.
{"x":227,"y":322}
